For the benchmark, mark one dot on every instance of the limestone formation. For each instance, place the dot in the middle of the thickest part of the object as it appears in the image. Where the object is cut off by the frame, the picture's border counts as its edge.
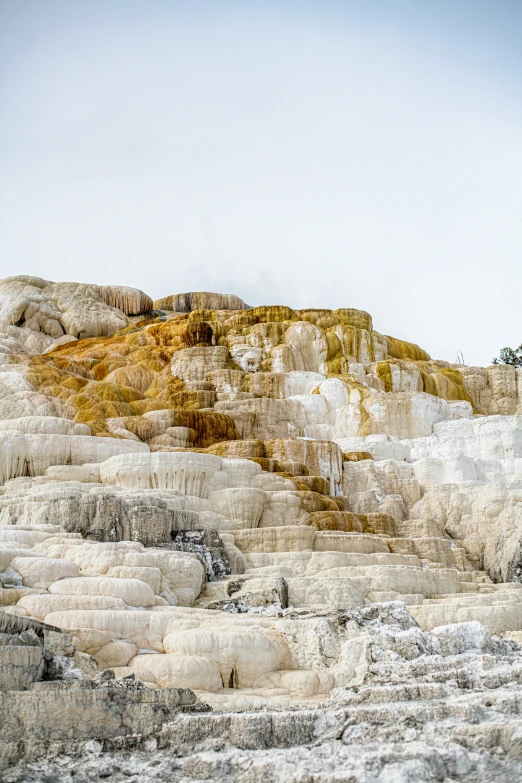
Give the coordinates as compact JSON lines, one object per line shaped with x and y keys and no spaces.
{"x":282,"y":511}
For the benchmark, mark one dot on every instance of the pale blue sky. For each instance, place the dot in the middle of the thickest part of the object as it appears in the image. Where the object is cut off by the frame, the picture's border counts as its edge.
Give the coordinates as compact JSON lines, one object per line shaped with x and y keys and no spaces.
{"x":361,"y":154}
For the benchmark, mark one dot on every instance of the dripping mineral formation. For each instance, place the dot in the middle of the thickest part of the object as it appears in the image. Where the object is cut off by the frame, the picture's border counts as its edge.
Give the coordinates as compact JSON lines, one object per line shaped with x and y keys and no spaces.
{"x":252,"y":543}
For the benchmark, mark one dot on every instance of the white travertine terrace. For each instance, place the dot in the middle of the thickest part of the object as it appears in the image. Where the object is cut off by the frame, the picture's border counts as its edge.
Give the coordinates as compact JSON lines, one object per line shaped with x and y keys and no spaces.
{"x":319,"y":467}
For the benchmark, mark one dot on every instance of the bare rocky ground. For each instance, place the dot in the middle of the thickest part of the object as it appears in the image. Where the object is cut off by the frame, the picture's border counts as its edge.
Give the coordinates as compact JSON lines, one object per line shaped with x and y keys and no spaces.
{"x":431,"y":742}
{"x":440,"y":706}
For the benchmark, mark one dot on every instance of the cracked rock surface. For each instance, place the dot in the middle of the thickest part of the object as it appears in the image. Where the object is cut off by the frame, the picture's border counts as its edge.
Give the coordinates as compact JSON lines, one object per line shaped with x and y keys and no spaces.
{"x":439,"y":706}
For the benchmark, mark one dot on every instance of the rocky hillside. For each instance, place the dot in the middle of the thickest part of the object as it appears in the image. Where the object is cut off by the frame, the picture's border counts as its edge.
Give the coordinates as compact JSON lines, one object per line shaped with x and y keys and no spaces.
{"x":280,"y":511}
